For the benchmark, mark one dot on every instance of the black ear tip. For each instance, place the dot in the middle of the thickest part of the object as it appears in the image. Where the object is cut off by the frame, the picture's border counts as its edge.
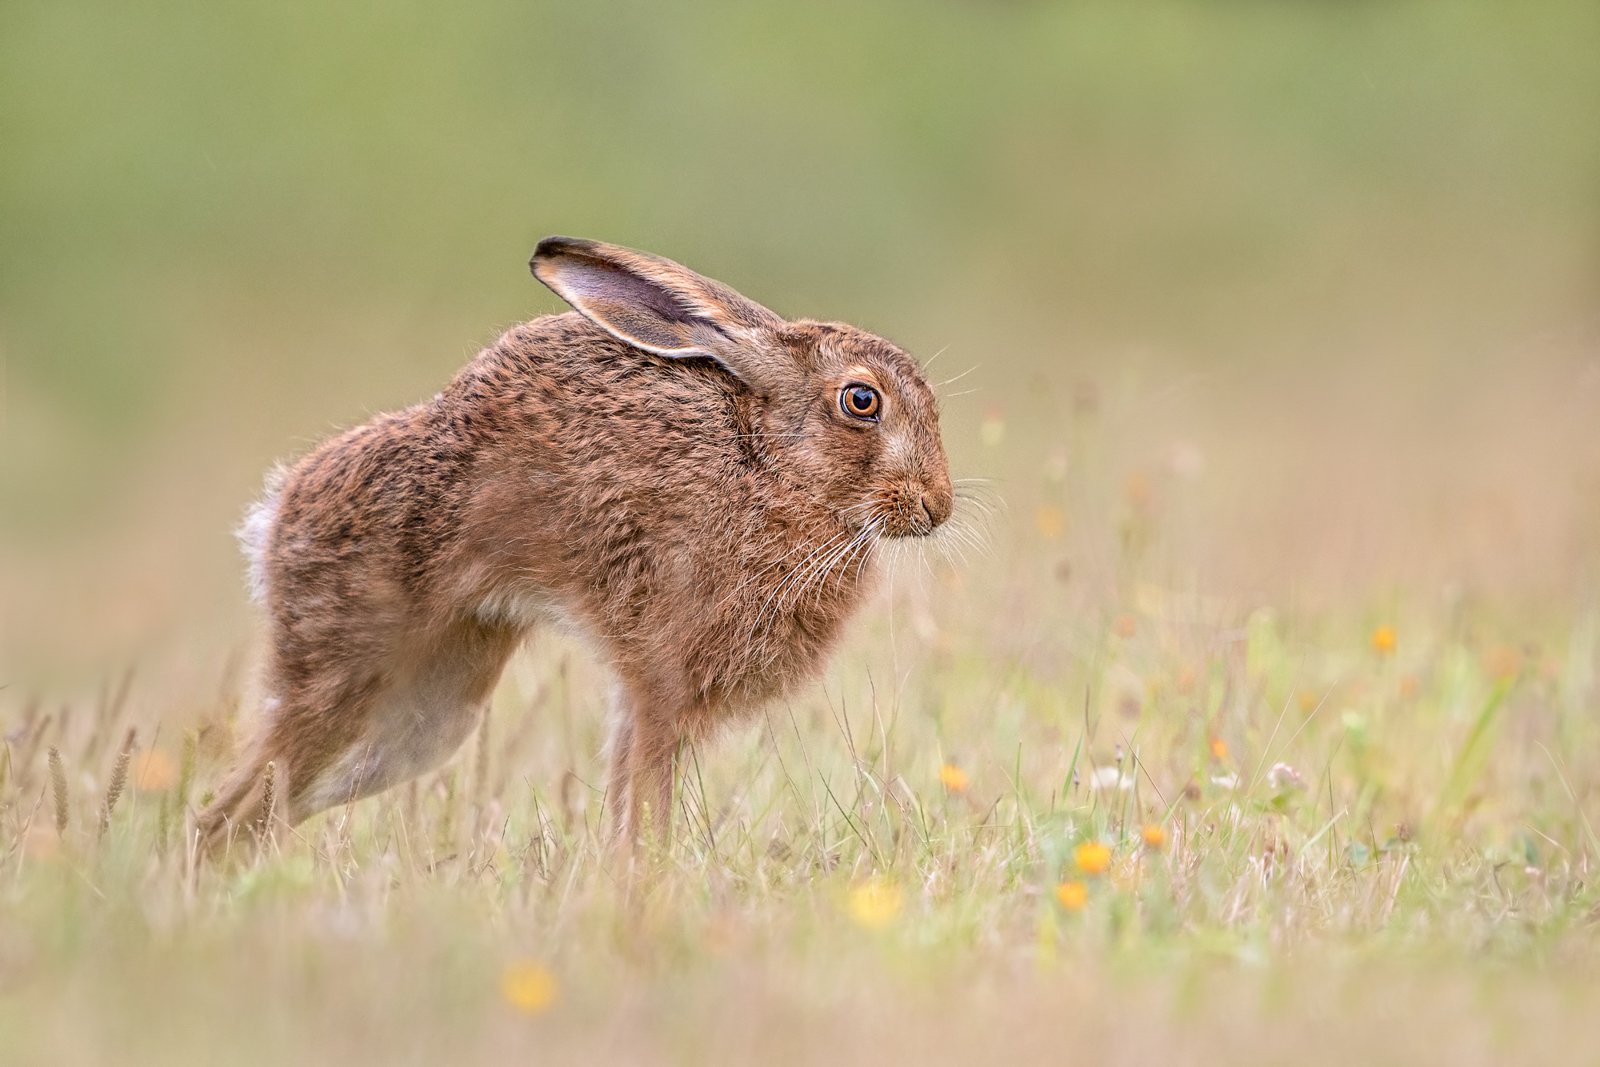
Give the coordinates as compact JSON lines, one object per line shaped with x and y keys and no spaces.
{"x":554,"y":246}
{"x":557,"y":245}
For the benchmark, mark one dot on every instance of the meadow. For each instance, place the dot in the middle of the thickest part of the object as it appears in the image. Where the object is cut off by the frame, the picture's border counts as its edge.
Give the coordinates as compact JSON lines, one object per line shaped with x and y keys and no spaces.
{"x":1253,"y":716}
{"x":1160,"y":827}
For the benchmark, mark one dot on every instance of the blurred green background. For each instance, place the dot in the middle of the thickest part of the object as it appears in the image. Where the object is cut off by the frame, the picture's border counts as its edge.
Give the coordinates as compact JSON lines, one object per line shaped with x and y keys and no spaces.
{"x":1337,"y":264}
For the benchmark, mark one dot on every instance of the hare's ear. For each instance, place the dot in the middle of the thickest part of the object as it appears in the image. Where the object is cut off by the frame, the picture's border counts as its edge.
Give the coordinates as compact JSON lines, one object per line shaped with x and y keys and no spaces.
{"x":662,"y":307}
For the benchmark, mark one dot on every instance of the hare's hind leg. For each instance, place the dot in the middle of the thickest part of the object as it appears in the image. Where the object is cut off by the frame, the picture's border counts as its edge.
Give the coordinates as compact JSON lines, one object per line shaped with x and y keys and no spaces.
{"x":338,"y":740}
{"x":298,"y":735}
{"x":415,"y":723}
{"x":243,"y":805}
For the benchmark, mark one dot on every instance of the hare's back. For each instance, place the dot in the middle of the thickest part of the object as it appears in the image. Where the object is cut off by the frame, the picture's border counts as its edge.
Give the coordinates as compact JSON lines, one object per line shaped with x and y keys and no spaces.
{"x":367,"y":510}
{"x":580,"y":402}
{"x":601,"y":460}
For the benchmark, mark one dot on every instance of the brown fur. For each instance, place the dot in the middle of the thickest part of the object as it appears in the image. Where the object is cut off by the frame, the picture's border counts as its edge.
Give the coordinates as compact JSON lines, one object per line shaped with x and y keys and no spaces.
{"x":666,"y":472}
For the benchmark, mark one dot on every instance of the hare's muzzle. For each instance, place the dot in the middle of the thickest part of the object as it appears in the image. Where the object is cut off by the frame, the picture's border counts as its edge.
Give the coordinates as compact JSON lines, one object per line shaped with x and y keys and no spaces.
{"x":923,"y":511}
{"x":935,"y":506}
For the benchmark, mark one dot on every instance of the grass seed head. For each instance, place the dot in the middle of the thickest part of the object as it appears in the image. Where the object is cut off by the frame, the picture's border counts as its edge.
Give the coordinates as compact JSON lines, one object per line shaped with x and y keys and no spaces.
{"x":119,"y":779}
{"x":58,"y":789}
{"x":269,"y":798}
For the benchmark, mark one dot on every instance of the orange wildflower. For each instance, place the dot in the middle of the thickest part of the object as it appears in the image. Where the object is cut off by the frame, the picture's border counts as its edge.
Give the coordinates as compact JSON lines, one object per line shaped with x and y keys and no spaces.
{"x":1384,"y":640}
{"x":154,"y":771}
{"x":1072,"y":895}
{"x":1092,"y":857}
{"x":953,"y":778}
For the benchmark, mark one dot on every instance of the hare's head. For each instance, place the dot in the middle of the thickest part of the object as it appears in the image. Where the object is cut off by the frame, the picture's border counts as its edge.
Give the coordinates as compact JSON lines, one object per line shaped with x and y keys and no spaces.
{"x":850,"y":414}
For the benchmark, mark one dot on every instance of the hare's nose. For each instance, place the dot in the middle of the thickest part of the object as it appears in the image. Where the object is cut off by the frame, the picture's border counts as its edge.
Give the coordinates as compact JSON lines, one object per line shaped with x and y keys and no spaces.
{"x":936,"y":506}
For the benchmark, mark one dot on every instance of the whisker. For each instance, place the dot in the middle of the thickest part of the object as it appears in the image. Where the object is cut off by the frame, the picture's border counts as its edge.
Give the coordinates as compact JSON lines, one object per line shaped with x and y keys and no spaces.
{"x":988,"y":507}
{"x":860,"y":539}
{"x":958,"y":377}
{"x":788,"y":580}
{"x":814,"y":577}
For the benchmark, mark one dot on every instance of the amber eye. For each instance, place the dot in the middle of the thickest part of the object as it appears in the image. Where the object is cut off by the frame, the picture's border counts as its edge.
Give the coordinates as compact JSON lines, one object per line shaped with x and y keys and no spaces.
{"x":860,"y":401}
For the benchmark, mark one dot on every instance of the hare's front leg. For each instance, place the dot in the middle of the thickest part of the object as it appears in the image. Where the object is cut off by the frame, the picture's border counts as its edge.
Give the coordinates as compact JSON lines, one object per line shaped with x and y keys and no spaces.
{"x":619,"y":743}
{"x":643,"y":753}
{"x":652,"y":778}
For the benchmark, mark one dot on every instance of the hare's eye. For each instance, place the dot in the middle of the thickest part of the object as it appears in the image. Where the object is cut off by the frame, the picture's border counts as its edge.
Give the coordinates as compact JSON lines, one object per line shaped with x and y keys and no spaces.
{"x":860,"y":401}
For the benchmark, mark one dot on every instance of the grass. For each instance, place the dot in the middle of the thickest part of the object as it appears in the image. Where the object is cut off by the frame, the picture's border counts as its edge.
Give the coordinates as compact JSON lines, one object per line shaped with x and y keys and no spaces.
{"x":1150,"y":832}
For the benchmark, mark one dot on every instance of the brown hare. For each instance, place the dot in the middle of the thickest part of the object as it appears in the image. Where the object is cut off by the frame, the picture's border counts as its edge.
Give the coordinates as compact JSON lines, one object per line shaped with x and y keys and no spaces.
{"x":691,"y":484}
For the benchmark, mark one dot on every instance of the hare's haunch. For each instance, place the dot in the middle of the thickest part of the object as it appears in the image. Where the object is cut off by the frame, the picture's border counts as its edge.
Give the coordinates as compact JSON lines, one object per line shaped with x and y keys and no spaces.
{"x":691,"y":483}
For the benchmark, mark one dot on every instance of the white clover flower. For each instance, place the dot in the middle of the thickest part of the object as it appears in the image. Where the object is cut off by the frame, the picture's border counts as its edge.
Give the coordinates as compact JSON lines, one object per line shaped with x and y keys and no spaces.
{"x":1283,"y":778}
{"x":1109,"y":778}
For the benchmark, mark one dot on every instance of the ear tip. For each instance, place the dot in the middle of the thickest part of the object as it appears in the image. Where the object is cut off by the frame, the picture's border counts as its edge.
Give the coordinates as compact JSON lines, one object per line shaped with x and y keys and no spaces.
{"x":556,"y":245}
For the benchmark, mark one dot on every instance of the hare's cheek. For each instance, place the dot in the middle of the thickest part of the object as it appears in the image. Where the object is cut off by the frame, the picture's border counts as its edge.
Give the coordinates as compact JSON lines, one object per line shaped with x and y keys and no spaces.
{"x":900,"y":453}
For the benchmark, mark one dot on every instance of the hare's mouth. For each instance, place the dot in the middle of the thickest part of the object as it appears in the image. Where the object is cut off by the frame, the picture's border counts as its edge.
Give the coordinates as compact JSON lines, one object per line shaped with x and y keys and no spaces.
{"x":909,"y":528}
{"x":910,"y":512}
{"x":894,"y":525}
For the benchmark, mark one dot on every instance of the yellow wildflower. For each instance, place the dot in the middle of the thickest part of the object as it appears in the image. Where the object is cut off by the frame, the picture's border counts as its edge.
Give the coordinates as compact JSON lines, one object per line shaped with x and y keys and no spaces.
{"x":953,"y":778}
{"x":1051,"y":522}
{"x":1219,"y":748}
{"x":529,"y":987}
{"x":875,"y":903}
{"x":1155,"y":836}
